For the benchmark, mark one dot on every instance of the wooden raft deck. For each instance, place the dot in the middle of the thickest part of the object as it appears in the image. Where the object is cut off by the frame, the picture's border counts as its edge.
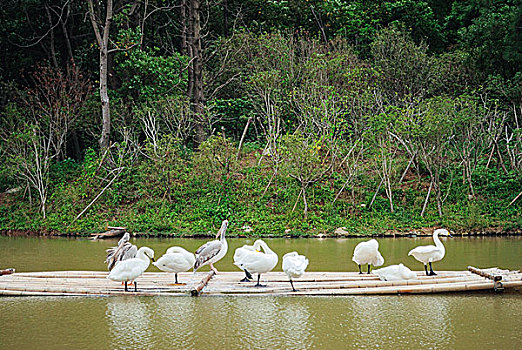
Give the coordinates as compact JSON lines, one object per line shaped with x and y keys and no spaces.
{"x":95,"y":283}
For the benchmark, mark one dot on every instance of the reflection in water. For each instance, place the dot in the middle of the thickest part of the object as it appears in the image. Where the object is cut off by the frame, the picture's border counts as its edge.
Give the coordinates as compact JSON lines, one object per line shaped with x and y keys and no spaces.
{"x":386,"y":321}
{"x":268,"y":323}
{"x":129,"y":322}
{"x":175,"y":321}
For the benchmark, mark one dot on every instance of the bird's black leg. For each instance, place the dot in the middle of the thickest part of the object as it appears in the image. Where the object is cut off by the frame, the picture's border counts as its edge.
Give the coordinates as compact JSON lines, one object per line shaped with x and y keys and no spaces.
{"x":369,"y":269}
{"x":258,"y":277}
{"x":135,"y":286}
{"x":431,"y":271}
{"x":426,"y":269}
{"x":126,"y":289}
{"x":247,"y":278}
{"x":176,"y":275}
{"x":292,"y":283}
{"x":360,"y":272}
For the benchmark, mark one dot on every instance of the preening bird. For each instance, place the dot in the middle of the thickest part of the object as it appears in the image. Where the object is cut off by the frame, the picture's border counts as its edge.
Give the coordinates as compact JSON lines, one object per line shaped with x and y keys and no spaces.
{"x":213,"y":251}
{"x":294,"y":265}
{"x":367,"y":253}
{"x":175,"y":260}
{"x":130,"y":269}
{"x":239,"y":254}
{"x":395,"y":273}
{"x":255,"y":261}
{"x":427,"y":254}
{"x":123,"y":251}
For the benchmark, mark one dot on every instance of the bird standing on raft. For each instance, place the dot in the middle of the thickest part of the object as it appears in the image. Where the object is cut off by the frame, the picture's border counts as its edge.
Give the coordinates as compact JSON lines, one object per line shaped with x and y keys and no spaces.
{"x":427,"y":254}
{"x":395,"y":273}
{"x":175,"y":260}
{"x":123,"y":251}
{"x":294,"y":265}
{"x":258,"y":262}
{"x":367,"y":253}
{"x":239,"y":254}
{"x":130,"y":269}
{"x":213,"y":251}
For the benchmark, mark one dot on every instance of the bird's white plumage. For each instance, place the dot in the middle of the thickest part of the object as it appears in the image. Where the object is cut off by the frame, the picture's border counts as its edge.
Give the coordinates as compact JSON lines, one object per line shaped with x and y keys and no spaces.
{"x":256,"y":261}
{"x":240,"y":253}
{"x":294,"y":265}
{"x":175,"y":259}
{"x":431,"y":253}
{"x":368,"y":253}
{"x":395,"y":273}
{"x":130,"y":269}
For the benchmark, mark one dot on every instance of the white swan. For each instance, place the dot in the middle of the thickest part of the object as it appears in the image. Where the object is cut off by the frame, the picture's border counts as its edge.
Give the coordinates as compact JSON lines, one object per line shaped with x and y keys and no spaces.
{"x":175,"y":259}
{"x":258,"y":262}
{"x":213,"y":251}
{"x":123,"y":251}
{"x":427,"y":254}
{"x":395,"y":273}
{"x":367,"y":253}
{"x":294,"y":265}
{"x":238,"y":257}
{"x":130,"y":269}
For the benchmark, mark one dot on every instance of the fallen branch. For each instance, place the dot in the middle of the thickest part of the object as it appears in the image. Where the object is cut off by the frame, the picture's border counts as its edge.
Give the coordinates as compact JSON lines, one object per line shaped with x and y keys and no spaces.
{"x":517,"y":197}
{"x":98,"y":196}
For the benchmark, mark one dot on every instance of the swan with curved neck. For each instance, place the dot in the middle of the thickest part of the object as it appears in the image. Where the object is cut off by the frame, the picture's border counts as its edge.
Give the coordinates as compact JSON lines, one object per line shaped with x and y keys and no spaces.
{"x":213,"y":251}
{"x":130,"y":269}
{"x":239,"y":255}
{"x":258,"y":262}
{"x":367,"y":253}
{"x":430,"y":253}
{"x":175,"y":260}
{"x":294,"y":265}
{"x":395,"y":273}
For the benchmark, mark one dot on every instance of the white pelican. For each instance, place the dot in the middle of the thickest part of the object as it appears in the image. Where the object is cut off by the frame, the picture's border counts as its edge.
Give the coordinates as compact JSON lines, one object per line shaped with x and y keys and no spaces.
{"x":130,"y":269}
{"x":175,"y":260}
{"x":395,"y":273}
{"x":427,"y":254}
{"x":294,"y":265}
{"x":238,"y":257}
{"x":123,"y":251}
{"x":213,"y":251}
{"x":258,"y":262}
{"x":367,"y":253}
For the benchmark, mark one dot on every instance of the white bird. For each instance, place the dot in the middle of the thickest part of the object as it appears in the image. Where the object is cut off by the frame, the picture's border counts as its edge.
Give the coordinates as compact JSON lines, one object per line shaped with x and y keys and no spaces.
{"x":175,"y":259}
{"x":213,"y":251}
{"x":130,"y":269}
{"x":123,"y":251}
{"x":367,"y":253}
{"x":238,"y":257}
{"x":395,"y":273}
{"x":294,"y":265}
{"x":258,"y":262}
{"x":427,"y":254}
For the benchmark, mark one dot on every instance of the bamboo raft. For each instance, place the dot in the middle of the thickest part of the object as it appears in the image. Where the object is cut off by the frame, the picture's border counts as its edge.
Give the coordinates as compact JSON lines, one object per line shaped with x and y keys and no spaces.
{"x":95,"y":283}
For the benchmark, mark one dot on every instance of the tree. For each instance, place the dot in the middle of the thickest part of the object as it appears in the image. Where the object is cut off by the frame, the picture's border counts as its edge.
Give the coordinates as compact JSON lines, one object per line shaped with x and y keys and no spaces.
{"x":101,"y":31}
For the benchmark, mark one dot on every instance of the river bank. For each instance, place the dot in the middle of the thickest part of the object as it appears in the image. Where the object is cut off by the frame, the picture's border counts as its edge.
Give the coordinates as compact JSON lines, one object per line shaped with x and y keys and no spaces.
{"x":338,"y":233}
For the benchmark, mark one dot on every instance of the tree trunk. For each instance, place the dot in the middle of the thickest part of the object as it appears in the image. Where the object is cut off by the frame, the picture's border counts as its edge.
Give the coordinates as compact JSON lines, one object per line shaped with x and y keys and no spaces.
{"x":103,"y":43}
{"x":183,"y":22}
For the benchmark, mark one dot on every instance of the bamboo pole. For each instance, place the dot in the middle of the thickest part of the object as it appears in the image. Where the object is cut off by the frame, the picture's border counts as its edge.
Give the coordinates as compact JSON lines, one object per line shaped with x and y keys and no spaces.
{"x":7,"y":271}
{"x":484,"y":273}
{"x":196,"y":291}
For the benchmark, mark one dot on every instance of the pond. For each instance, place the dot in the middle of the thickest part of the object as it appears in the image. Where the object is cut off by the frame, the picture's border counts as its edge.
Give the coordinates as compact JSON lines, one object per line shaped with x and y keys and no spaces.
{"x":450,"y":321}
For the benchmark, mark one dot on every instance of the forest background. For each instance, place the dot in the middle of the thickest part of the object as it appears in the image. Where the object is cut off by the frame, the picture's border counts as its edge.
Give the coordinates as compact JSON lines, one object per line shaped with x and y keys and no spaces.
{"x":287,"y":118}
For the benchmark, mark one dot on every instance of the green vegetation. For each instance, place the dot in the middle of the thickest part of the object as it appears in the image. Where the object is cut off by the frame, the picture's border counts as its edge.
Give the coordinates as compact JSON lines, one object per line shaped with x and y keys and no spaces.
{"x":287,"y":117}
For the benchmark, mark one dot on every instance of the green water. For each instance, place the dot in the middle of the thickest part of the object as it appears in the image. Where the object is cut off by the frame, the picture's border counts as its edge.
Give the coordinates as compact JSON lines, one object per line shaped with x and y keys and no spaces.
{"x":454,"y":321}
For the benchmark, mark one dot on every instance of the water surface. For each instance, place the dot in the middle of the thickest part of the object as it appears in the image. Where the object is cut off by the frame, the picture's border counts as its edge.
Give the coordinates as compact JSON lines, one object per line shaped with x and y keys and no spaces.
{"x":450,"y":321}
